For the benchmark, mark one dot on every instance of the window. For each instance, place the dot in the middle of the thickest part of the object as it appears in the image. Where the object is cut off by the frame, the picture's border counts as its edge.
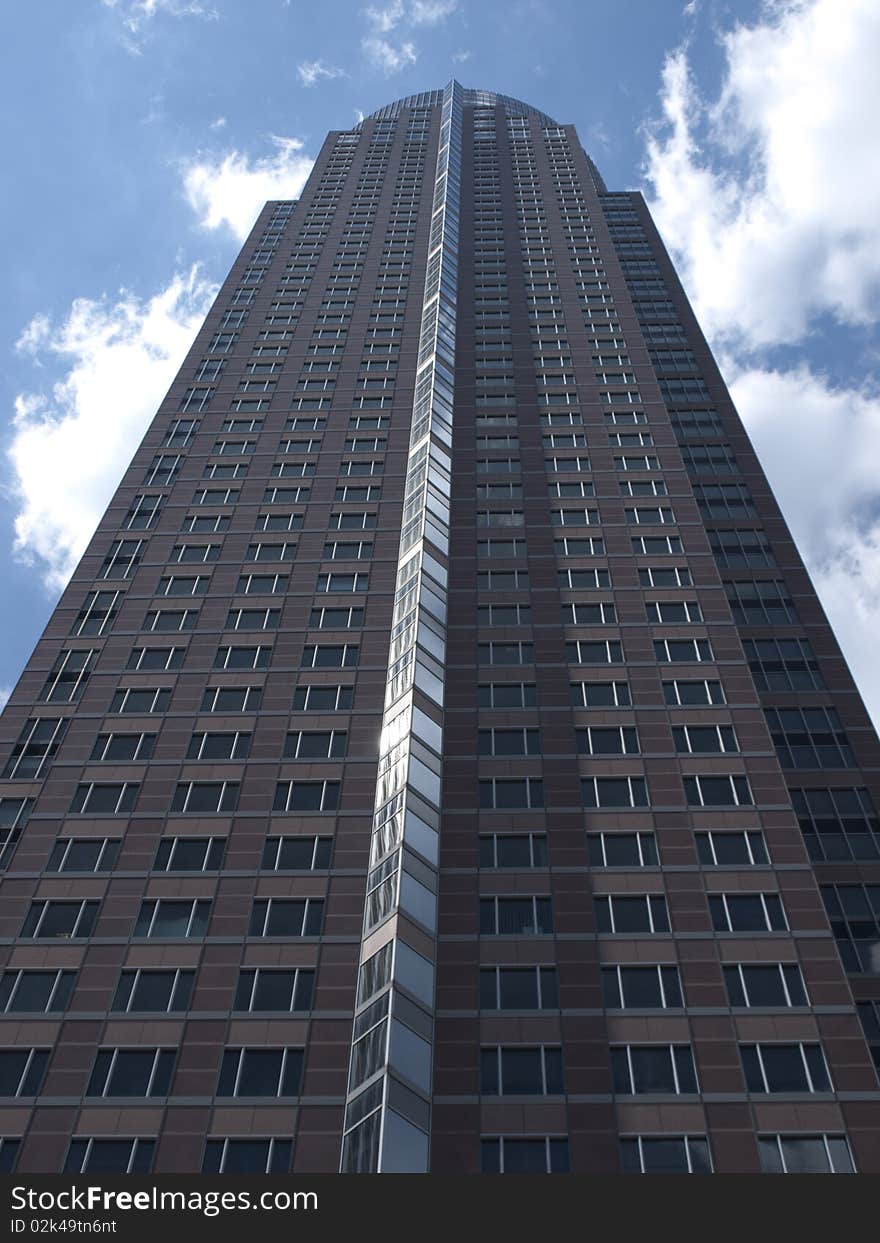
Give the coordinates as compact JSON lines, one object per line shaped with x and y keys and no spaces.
{"x":97,"y":613}
{"x":497,"y":653}
{"x":247,"y":1156}
{"x":54,"y":918}
{"x":518,"y":1155}
{"x":95,"y":799}
{"x":513,"y":850}
{"x":330,"y":656}
{"x":783,"y":664}
{"x":764,"y":602}
{"x":507,"y":695}
{"x":36,"y":992}
{"x":639,"y":913}
{"x":8,"y":1153}
{"x":579,"y":580}
{"x":732,"y":848}
{"x":233,"y":746}
{"x":652,"y":1068}
{"x":608,"y":740}
{"x":149,"y":659}
{"x":22,"y":1071}
{"x":266,"y":988}
{"x":504,"y":742}
{"x":765,"y":984}
{"x":142,"y":513}
{"x":139,"y":700}
{"x":109,"y":1156}
{"x":14,"y":814}
{"x":854,"y":914}
{"x":261,"y":1072}
{"x":300,"y":796}
{"x":614,"y":791}
{"x":655,"y":987}
{"x":515,"y":916}
{"x":262,"y":584}
{"x":809,"y":738}
{"x":231,"y":699}
{"x":665,"y":1154}
{"x":122,"y":558}
{"x":322,"y":698}
{"x":595,"y":652}
{"x":704,"y":739}
{"x":342,"y":582}
{"x":297,"y":853}
{"x":205,"y":797}
{"x":243,"y":657}
{"x":165,"y":621}
{"x":145,"y":990}
{"x":132,"y":1072}
{"x":190,"y":854}
{"x":286,"y":917}
{"x":785,"y":1068}
{"x":730,"y":791}
{"x":600,"y":614}
{"x":83,"y":854}
{"x":684,"y":694}
{"x":657,"y":545}
{"x":600,"y":694}
{"x":838,"y":822}
{"x":515,"y":1071}
{"x":316,"y":744}
{"x":622,"y":850}
{"x":670,"y":612}
{"x":518,"y":988}
{"x":169,"y":917}
{"x":37,"y":744}
{"x":661,"y":576}
{"x":740,"y":547}
{"x":747,"y":912}
{"x":682,"y":651}
{"x":805,"y":1154}
{"x":501,"y":793}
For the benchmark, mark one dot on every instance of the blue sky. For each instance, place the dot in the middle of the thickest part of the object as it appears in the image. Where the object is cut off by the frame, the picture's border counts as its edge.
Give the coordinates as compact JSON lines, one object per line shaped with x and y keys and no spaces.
{"x":143,"y":135}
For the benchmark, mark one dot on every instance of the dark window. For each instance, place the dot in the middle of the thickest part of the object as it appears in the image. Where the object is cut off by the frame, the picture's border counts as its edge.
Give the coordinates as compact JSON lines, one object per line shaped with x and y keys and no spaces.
{"x":22,"y":1071}
{"x":132,"y":1072}
{"x":37,"y":992}
{"x":747,"y":912}
{"x":291,"y":917}
{"x":109,"y":1156}
{"x":764,"y":984}
{"x":518,"y":988}
{"x":805,"y":1154}
{"x":515,"y":916}
{"x":55,"y":918}
{"x":247,"y":1156}
{"x":785,"y":1068}
{"x":190,"y":854}
{"x":169,"y":917}
{"x":616,"y":850}
{"x":87,"y":854}
{"x":297,"y":854}
{"x":625,"y":913}
{"x":668,"y":1154}
{"x":266,"y":988}
{"x":513,"y":850}
{"x":261,"y":1072}
{"x":652,"y":987}
{"x":651,"y":1068}
{"x":515,"y":1155}
{"x":515,"y":1071}
{"x":146,"y":990}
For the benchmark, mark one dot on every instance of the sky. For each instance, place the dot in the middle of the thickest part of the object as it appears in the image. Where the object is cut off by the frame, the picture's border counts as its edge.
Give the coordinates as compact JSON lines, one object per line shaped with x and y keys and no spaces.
{"x":143,"y":136}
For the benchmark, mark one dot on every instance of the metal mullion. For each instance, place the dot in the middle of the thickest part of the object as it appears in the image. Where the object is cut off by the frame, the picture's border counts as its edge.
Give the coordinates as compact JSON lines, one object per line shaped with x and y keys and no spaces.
{"x":152,"y":1075}
{"x":675,"y":1079}
{"x":192,"y":911}
{"x":659,"y":971}
{"x":629,"y":1068}
{"x":110,"y":1069}
{"x":761,"y":1066}
{"x":237,"y":1080}
{"x":82,"y":906}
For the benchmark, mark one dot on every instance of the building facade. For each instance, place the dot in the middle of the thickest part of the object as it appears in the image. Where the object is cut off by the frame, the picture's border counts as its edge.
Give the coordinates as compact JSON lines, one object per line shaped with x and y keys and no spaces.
{"x":440,"y":759}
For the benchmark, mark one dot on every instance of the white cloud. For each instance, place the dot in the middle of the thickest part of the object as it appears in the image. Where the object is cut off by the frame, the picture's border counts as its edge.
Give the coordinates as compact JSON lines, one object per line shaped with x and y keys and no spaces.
{"x":458,"y":58}
{"x":218,"y":123}
{"x":385,"y":56}
{"x":311,"y":71}
{"x":5,"y":692}
{"x":72,"y":441}
{"x":385,"y":19}
{"x":231,"y":190}
{"x":769,"y":196}
{"x":819,"y":447}
{"x":431,"y":12}
{"x":136,"y":15}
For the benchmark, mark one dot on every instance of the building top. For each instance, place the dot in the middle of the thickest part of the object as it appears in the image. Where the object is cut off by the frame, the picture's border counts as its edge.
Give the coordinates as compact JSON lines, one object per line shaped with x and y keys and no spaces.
{"x":471,"y":98}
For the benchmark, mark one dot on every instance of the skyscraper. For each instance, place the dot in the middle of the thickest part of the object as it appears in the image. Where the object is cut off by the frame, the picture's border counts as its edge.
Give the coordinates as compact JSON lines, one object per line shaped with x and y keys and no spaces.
{"x":440,"y":759}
